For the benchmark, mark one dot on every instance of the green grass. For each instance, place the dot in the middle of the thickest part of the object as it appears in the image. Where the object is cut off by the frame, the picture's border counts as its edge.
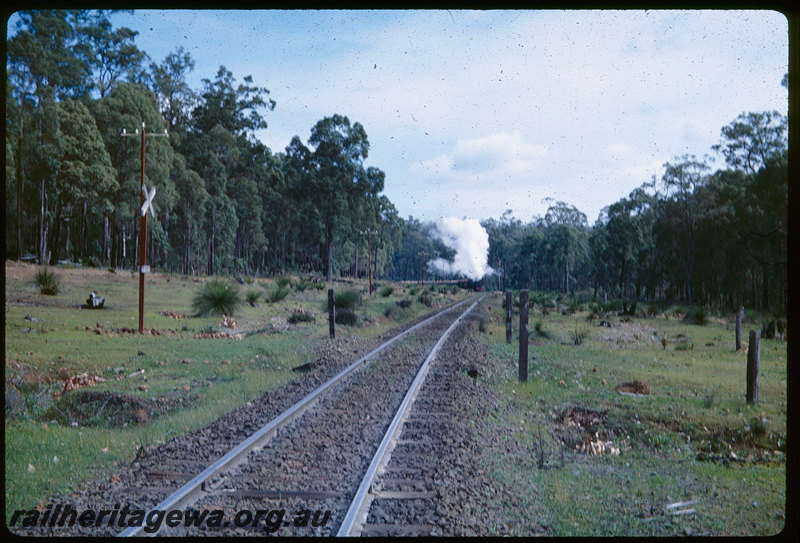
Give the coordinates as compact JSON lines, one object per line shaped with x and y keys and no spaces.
{"x":191,"y":381}
{"x":672,"y":441}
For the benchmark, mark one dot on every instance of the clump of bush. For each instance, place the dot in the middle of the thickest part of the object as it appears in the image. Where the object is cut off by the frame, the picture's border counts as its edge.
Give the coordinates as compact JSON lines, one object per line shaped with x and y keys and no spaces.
{"x":573,"y":306}
{"x":394,"y":311}
{"x":300,"y":315}
{"x":283,"y":281}
{"x":346,"y":317}
{"x":347,"y":299}
{"x":386,"y":291}
{"x":696,"y":315}
{"x":302,"y":285}
{"x":412,"y":291}
{"x":277,"y":293}
{"x":47,"y":282}
{"x":217,"y":298}
{"x":252,"y":297}
{"x":538,"y":327}
{"x":91,"y":262}
{"x":405,"y":303}
{"x":425,"y":299}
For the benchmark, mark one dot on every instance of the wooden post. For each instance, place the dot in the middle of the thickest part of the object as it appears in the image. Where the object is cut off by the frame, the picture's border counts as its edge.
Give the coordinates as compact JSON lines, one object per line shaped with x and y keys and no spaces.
{"x":331,"y":314}
{"x":509,"y":315}
{"x":753,"y":356}
{"x":523,"y":336}
{"x":739,"y":319}
{"x":142,"y":245}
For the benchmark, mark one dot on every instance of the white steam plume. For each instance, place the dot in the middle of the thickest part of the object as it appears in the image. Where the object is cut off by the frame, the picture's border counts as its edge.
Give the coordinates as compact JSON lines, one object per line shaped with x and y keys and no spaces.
{"x":471,"y":244}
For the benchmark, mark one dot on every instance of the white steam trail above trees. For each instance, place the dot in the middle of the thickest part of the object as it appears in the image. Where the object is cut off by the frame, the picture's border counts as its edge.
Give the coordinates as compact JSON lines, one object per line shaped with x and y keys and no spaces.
{"x":470,"y":242}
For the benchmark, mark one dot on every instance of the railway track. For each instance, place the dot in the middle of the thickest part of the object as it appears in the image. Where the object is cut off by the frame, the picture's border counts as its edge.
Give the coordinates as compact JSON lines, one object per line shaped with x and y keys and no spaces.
{"x":335,"y":421}
{"x":299,"y":473}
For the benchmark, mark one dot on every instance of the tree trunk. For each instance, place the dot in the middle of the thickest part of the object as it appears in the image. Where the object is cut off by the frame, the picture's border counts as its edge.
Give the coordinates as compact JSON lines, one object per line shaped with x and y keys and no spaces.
{"x":41,"y":223}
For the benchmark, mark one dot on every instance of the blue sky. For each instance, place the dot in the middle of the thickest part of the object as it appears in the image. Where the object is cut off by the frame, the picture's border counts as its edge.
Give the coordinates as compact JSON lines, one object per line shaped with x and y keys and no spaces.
{"x":471,"y":113}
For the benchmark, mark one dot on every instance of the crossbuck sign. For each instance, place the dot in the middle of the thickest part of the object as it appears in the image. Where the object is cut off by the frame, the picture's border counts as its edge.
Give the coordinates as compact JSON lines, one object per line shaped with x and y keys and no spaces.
{"x":148,"y":200}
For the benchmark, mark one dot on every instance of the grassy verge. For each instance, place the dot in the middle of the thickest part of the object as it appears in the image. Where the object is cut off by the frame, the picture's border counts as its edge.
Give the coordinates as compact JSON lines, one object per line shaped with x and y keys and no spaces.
{"x":57,"y":438}
{"x":691,"y":439}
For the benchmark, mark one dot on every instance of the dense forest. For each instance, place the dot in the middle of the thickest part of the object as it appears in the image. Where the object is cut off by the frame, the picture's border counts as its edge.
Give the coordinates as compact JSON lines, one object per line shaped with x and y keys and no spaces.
{"x":694,"y":236}
{"x":227,"y":204}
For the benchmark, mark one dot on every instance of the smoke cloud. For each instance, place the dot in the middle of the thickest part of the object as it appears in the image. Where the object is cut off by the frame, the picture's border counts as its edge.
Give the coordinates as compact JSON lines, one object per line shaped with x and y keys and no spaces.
{"x":470,"y":242}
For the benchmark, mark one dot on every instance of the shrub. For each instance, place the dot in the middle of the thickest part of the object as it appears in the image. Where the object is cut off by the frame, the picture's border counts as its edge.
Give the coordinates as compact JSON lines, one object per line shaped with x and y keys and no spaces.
{"x":91,"y":262}
{"x":453,"y":289}
{"x":696,"y":315}
{"x":412,"y":291}
{"x":300,"y":315}
{"x":578,"y":336}
{"x":386,"y":291}
{"x":346,"y":317}
{"x":405,"y":303}
{"x":347,"y":299}
{"x":277,"y":293}
{"x":252,"y":297}
{"x":47,"y":282}
{"x":425,"y":299}
{"x":217,"y":298}
{"x":283,"y":281}
{"x":393,"y":311}
{"x":538,"y":327}
{"x":302,"y":285}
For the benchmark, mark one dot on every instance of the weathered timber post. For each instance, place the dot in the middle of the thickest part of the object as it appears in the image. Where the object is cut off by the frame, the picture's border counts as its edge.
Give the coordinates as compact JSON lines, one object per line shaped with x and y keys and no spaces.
{"x":739,"y":319}
{"x":509,"y":314}
{"x":331,"y":314}
{"x":523,"y":335}
{"x":753,"y":356}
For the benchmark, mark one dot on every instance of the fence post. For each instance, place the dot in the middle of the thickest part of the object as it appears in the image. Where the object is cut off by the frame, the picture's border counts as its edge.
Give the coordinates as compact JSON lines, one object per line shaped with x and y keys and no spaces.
{"x":509,"y":315}
{"x":523,"y":335}
{"x":331,"y":314}
{"x":753,"y":356}
{"x":739,"y":318}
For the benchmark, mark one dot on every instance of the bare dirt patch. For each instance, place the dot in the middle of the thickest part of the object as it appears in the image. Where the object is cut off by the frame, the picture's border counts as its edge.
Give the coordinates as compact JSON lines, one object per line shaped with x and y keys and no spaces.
{"x":633,"y":387}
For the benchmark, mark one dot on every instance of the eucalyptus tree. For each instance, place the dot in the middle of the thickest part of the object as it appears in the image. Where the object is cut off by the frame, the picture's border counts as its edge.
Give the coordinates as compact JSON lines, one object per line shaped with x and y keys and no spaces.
{"x":220,"y":147}
{"x":336,"y":163}
{"x":680,"y":180}
{"x":176,"y":99}
{"x":753,"y":139}
{"x":566,"y":239}
{"x":629,"y":246}
{"x":85,"y":181}
{"x":110,"y":53}
{"x":42,"y":67}
{"x":127,"y":106}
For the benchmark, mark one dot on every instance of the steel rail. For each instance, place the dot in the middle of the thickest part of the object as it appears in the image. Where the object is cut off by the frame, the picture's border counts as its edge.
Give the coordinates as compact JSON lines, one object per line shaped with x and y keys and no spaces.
{"x":356,"y":514}
{"x":193,"y":489}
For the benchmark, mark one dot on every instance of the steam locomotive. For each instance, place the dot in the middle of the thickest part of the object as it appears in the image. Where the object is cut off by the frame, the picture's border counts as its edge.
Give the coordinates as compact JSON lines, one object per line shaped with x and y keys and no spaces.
{"x":469,"y":284}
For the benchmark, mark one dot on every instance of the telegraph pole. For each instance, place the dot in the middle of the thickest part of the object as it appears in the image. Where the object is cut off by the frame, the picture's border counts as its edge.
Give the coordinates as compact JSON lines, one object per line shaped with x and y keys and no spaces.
{"x":145,"y":203}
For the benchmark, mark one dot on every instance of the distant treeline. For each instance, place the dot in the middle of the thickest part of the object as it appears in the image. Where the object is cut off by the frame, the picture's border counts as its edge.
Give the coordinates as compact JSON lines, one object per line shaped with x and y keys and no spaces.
{"x":694,"y":236}
{"x":225,"y":203}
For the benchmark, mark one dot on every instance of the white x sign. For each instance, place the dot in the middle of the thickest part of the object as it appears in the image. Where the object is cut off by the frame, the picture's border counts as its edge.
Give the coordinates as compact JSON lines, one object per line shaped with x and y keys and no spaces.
{"x":148,"y":201}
